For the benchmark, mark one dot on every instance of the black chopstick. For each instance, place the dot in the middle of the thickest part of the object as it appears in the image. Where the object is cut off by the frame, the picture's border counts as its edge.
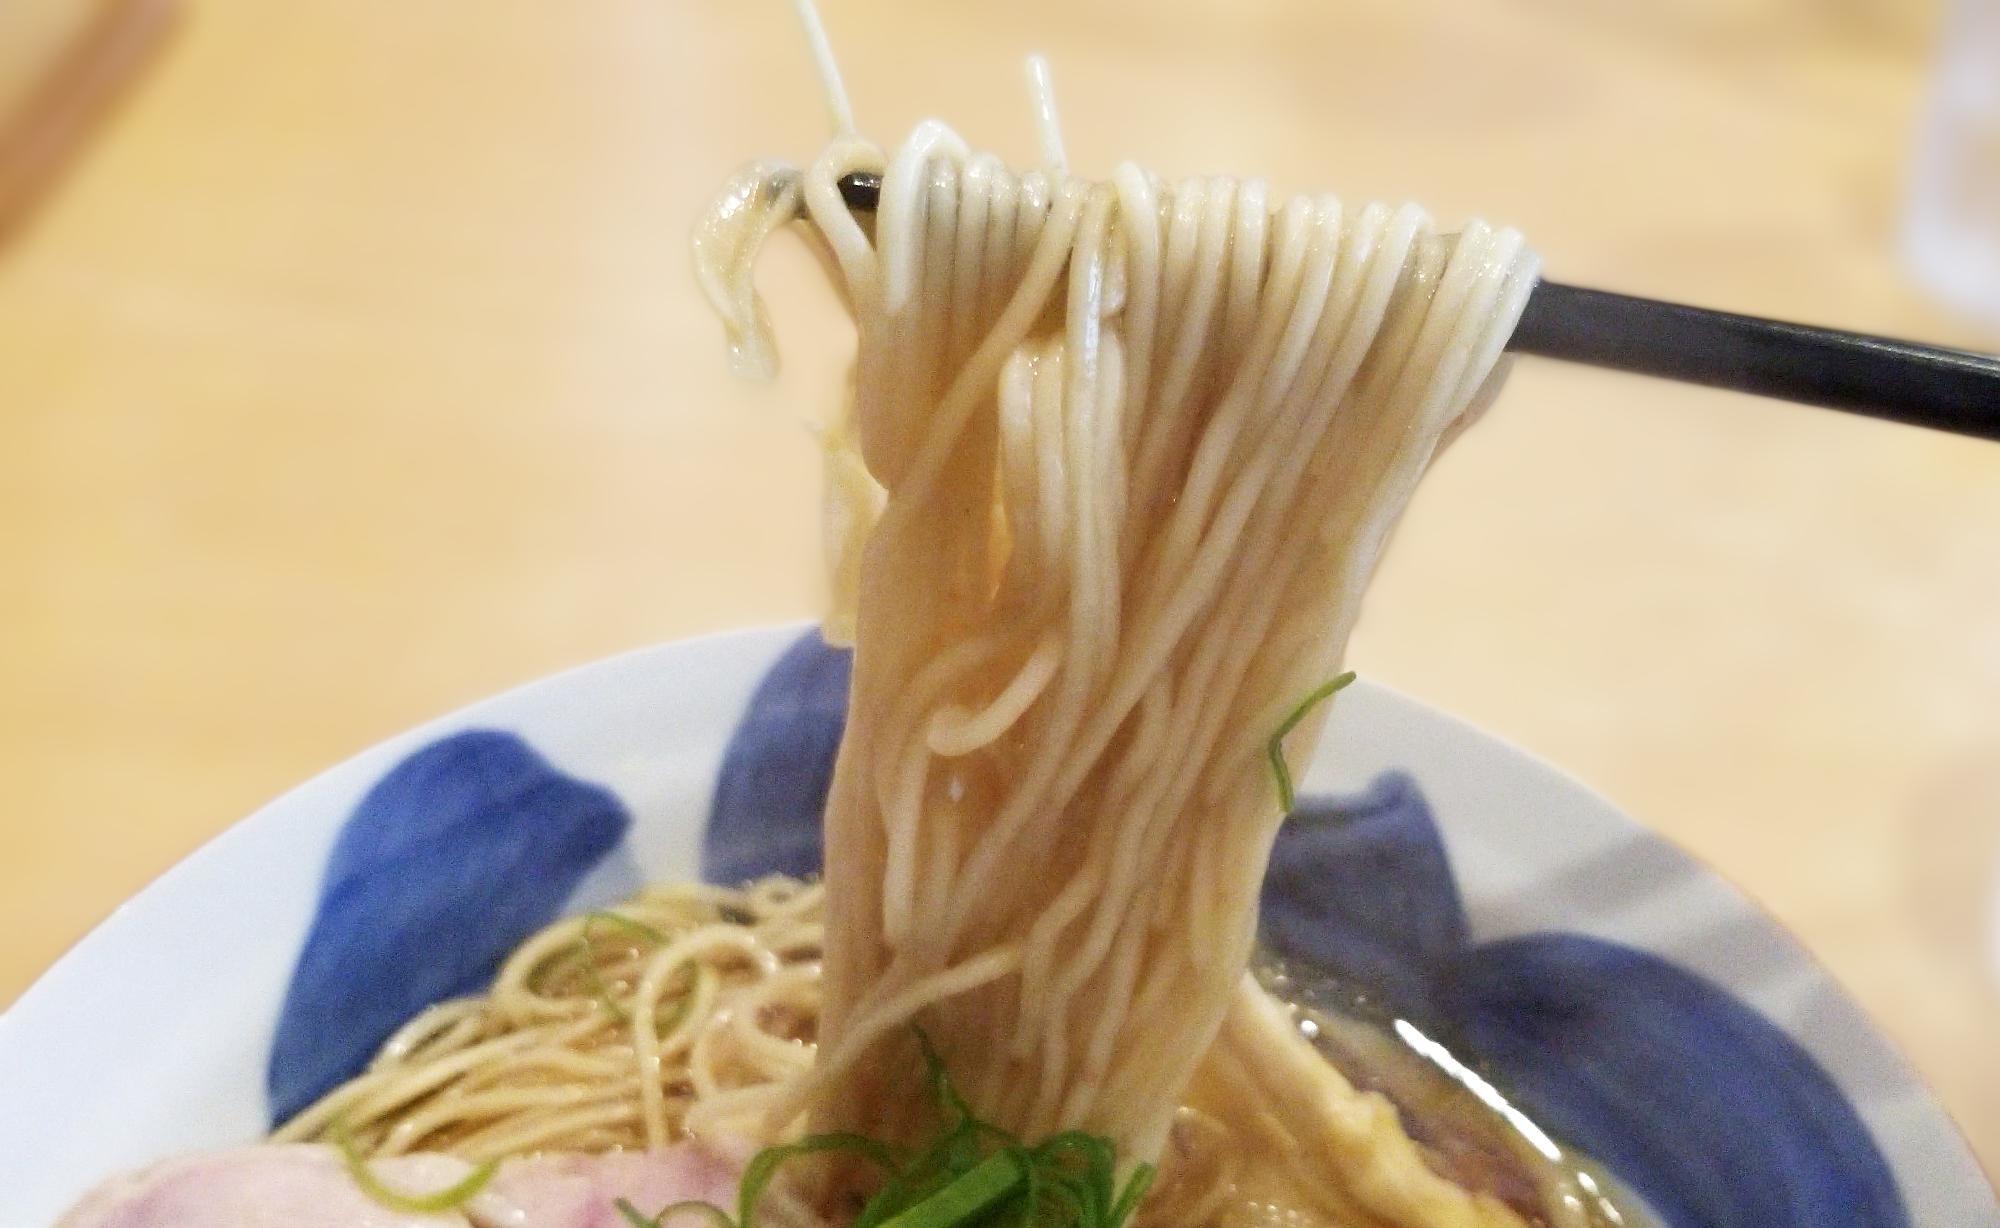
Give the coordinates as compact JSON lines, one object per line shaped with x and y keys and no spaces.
{"x":1901,"y":381}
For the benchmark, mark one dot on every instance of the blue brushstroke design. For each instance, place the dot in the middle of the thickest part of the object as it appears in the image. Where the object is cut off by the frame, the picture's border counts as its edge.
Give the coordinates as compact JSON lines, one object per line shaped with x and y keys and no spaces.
{"x":1361,"y":886}
{"x":1709,"y":1111}
{"x":1704,"y":1107}
{"x":454,"y":858}
{"x":771,"y":794}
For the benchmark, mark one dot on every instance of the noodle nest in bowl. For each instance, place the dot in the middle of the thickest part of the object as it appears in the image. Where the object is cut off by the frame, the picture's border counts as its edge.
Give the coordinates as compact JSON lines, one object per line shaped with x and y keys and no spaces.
{"x":679,"y":1010}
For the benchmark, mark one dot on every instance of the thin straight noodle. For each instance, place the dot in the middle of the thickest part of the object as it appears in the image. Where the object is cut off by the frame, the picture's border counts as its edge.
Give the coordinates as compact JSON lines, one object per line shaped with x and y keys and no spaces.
{"x":1138,"y":201}
{"x":1095,"y":943}
{"x":1003,"y":209}
{"x":1251,"y":607}
{"x":1197,"y":258}
{"x":447,"y":1025}
{"x":1048,"y":125}
{"x":1055,"y":502}
{"x":901,"y":782}
{"x":968,"y":258}
{"x":943,"y":855}
{"x":926,"y":358}
{"x":953,"y":410}
{"x":562,"y":1064}
{"x":905,"y":183}
{"x":389,"y":1095}
{"x":840,"y":112}
{"x":1249,"y":251}
{"x":1190,"y":526}
{"x":550,"y":1132}
{"x":501,"y":1103}
{"x":1127,"y":962}
{"x":1038,"y":202}
{"x":1180,"y":607}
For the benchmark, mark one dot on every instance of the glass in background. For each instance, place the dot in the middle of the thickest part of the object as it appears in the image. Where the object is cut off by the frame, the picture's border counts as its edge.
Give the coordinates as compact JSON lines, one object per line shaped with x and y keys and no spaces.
{"x":1952,"y":228}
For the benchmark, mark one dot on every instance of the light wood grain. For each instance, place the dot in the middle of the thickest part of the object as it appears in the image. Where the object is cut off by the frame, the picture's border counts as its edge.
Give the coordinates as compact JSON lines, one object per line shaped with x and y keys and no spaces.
{"x":356,"y":373}
{"x":62,"y":64}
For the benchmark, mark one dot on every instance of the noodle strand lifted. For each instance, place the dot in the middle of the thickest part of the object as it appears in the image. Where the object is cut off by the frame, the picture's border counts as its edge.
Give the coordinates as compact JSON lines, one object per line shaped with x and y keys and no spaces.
{"x":1134,"y":449}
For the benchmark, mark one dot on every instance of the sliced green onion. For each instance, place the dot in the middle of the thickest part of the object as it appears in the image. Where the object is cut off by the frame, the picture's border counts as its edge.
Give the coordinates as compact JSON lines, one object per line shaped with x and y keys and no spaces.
{"x":693,"y":1206}
{"x":995,"y":1177}
{"x":972,"y":1174}
{"x":1135,"y":1189}
{"x":633,"y":1215}
{"x":915,"y":1181}
{"x":764,"y":1165}
{"x":635,"y":927}
{"x":1096,"y":1151}
{"x":950,"y":1103}
{"x":1091,"y":1177}
{"x":598,"y":989}
{"x":1031,"y":1198}
{"x":450,"y":1198}
{"x":666,"y":1025}
{"x":1276,"y":747}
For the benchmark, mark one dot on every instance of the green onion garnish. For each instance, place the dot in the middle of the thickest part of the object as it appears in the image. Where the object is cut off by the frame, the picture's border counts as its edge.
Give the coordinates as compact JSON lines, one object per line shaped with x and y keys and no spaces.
{"x":715,"y":1215}
{"x":992,"y":1179}
{"x":1276,"y":747}
{"x":956,"y":1111}
{"x":673,"y":1019}
{"x":638,"y":929}
{"x":1135,"y":1189}
{"x":450,"y":1198}
{"x":598,"y":989}
{"x":764,"y":1165}
{"x":972,"y":1173}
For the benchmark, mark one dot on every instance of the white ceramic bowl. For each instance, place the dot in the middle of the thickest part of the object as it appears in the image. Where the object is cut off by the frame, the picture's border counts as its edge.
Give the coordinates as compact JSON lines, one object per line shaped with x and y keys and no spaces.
{"x":1628,"y":995}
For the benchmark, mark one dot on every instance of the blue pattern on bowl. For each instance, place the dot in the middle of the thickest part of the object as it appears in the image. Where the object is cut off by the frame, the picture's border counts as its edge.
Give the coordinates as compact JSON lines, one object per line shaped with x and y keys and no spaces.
{"x":1361,"y":885}
{"x":772,"y":788}
{"x":1701,"y":1104}
{"x":1704,"y":1107}
{"x":1714,"y":1115}
{"x":457,"y":855}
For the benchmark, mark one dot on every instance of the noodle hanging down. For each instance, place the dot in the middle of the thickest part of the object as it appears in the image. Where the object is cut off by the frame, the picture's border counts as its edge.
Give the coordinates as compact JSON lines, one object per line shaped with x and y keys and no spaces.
{"x":1120,"y":460}
{"x":1133,"y":450}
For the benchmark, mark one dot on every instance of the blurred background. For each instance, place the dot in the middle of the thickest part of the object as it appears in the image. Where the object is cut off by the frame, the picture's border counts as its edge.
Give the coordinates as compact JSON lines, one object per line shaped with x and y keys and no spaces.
{"x":351,"y":369}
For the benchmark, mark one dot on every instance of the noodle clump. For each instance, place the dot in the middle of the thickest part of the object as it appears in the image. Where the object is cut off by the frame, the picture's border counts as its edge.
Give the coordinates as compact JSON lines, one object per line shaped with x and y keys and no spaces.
{"x":1138,"y":446}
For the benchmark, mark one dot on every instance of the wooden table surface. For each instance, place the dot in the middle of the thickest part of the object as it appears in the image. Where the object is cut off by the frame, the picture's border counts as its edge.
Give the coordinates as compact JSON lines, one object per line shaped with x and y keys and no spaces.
{"x":355,"y":372}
